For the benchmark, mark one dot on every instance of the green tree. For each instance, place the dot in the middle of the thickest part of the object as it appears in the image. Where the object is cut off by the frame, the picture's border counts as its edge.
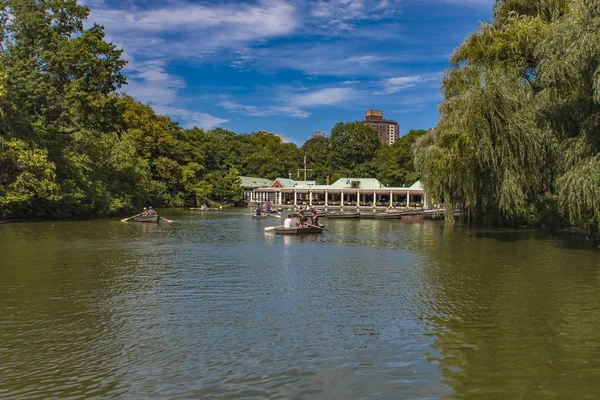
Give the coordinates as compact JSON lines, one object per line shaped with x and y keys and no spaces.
{"x":317,"y":154}
{"x":227,"y":188}
{"x":27,"y":180}
{"x":352,"y":144}
{"x":57,"y":86}
{"x":395,"y":163}
{"x":520,"y":115}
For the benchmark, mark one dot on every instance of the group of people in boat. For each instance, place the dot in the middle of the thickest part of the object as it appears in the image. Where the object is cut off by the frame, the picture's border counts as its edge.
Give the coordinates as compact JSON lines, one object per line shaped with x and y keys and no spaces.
{"x":304,"y":207}
{"x":149,"y":212}
{"x":302,"y":221}
{"x":264,"y":209}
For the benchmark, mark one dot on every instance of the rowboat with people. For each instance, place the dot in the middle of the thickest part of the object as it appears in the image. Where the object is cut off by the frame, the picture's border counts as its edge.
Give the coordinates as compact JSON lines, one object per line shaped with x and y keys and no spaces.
{"x":146,"y":218}
{"x":149,"y":215}
{"x":310,"y":229}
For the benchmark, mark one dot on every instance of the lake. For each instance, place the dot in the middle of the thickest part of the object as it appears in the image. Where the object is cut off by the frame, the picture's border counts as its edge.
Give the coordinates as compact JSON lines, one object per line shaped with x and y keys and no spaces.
{"x":211,"y":306}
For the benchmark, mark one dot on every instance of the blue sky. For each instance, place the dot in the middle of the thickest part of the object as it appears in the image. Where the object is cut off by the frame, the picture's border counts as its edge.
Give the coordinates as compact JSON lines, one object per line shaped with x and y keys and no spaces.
{"x":290,"y":67}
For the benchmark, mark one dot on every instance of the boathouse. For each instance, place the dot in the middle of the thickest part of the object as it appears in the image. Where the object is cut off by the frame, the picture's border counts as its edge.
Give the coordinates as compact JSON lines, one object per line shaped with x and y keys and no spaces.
{"x":344,"y":193}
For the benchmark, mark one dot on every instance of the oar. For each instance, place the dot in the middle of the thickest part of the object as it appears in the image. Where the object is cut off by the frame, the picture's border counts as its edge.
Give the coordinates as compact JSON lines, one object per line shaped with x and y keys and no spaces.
{"x":274,"y":216}
{"x":270,"y":228}
{"x":125,"y":219}
{"x":168,"y":220}
{"x":314,"y":226}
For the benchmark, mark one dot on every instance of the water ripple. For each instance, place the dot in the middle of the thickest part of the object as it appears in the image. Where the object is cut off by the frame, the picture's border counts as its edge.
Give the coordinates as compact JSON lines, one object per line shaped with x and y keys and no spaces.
{"x":212,"y":307}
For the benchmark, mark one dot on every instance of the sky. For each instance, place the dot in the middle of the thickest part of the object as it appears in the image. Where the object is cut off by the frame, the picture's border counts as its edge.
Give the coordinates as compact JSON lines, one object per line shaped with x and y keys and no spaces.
{"x":291,"y":67}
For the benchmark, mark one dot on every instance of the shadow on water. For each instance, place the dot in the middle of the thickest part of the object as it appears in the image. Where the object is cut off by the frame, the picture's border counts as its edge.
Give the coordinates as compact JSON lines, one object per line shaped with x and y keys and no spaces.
{"x":562,"y":240}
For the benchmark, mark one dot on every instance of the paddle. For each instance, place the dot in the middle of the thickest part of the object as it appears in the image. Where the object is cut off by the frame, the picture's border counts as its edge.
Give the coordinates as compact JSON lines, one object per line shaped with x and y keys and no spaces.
{"x":125,"y":219}
{"x":270,"y":228}
{"x":168,"y":220}
{"x":274,"y":216}
{"x":315,"y":226}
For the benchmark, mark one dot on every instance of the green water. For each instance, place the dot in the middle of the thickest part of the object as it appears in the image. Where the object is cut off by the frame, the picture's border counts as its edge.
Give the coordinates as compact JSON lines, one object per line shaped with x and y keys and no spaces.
{"x":212,"y":307}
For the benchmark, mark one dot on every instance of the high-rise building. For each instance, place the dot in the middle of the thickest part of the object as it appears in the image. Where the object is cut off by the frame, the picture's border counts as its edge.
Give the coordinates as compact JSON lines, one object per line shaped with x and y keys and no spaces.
{"x":388,"y":130}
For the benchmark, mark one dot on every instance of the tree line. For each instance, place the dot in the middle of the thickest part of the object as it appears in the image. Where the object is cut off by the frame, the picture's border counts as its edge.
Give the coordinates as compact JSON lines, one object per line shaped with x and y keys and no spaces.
{"x":518,"y":139}
{"x":72,"y":144}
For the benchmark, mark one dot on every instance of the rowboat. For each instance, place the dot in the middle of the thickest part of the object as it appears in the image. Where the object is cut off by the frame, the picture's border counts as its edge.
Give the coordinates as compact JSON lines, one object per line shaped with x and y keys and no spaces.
{"x":341,"y":214}
{"x":203,"y":209}
{"x":146,"y":218}
{"x":388,"y":215}
{"x":368,"y":215}
{"x":298,"y":231}
{"x":260,"y":216}
{"x":308,"y":213}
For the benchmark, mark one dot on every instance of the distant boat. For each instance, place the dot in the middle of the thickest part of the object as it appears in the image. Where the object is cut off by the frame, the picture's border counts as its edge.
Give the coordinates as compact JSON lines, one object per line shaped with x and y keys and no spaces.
{"x":340,"y":214}
{"x":368,"y":215}
{"x":388,"y":215}
{"x":308,"y":213}
{"x":203,"y":209}
{"x":260,"y":216}
{"x":146,"y":218}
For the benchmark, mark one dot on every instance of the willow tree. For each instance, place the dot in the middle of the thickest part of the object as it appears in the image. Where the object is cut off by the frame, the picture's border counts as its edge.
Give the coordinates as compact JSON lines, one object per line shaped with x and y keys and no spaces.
{"x":519,"y":123}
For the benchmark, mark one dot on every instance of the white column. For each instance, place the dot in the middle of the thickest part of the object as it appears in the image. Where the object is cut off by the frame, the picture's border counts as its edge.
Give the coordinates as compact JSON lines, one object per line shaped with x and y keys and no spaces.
{"x":391,"y":196}
{"x":357,"y":198}
{"x":325,"y":198}
{"x":295,"y":198}
{"x":342,"y":198}
{"x":310,"y":197}
{"x":425,"y":205}
{"x":374,"y":199}
{"x":407,"y":197}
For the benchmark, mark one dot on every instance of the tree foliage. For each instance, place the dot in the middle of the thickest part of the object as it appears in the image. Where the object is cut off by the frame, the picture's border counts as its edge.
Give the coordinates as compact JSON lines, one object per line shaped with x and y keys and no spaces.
{"x":70,"y":144}
{"x":521,"y":116}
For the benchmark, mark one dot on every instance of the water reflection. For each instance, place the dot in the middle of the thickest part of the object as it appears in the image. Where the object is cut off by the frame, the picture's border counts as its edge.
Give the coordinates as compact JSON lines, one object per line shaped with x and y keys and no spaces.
{"x":213,"y":306}
{"x":516,"y":304}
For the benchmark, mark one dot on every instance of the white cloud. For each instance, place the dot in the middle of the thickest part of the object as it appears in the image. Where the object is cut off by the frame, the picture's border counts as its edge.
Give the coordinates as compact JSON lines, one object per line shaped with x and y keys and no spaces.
{"x":291,"y":101}
{"x":344,"y":14}
{"x":149,"y":82}
{"x":255,"y":111}
{"x":396,"y":84}
{"x":476,"y":3}
{"x":190,"y":118}
{"x":330,"y":96}
{"x":199,"y":28}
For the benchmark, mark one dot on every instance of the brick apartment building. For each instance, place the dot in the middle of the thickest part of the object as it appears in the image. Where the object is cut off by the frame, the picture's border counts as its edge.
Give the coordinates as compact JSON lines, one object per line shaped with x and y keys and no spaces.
{"x":388,"y":130}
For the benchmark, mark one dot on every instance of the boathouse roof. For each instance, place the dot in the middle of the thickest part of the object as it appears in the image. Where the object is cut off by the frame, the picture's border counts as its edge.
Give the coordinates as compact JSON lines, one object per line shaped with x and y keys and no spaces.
{"x":416,"y":186}
{"x":357,"y":183}
{"x":290,"y":183}
{"x":251,"y":182}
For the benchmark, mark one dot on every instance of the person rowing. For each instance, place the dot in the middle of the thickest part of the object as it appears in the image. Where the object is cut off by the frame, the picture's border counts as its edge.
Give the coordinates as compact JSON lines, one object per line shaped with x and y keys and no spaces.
{"x":259,"y":212}
{"x":314,"y":220}
{"x":303,"y":220}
